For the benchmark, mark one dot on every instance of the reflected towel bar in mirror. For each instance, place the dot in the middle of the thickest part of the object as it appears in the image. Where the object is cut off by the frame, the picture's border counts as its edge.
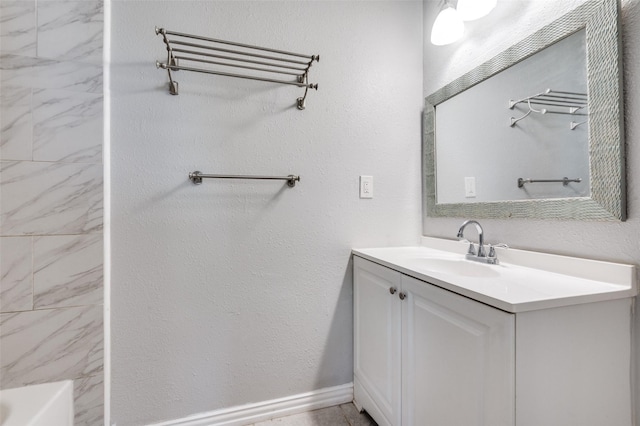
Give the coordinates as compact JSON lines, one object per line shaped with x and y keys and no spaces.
{"x":572,"y":101}
{"x":197,"y":176}
{"x":565,"y":181}
{"x":549,"y":97}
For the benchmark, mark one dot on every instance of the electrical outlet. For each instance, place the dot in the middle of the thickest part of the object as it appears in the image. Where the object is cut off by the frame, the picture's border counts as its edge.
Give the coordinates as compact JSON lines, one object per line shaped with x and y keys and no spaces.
{"x":366,"y":186}
{"x":470,"y":187}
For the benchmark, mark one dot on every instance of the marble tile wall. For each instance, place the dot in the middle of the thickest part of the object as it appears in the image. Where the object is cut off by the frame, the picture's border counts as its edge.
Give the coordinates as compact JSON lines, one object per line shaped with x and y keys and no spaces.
{"x":51,"y":200}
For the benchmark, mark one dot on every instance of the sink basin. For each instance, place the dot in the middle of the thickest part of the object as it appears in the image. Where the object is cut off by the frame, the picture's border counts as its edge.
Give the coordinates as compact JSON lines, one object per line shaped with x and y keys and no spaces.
{"x":462,"y":267}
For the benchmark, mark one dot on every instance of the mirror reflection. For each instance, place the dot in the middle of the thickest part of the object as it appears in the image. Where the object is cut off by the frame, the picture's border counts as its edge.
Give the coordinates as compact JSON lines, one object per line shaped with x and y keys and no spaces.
{"x":548,"y":108}
{"x":519,"y":134}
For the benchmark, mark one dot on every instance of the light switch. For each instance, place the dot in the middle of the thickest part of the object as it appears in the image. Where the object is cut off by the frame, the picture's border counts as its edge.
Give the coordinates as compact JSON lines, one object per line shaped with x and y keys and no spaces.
{"x":470,"y":187}
{"x":366,"y":186}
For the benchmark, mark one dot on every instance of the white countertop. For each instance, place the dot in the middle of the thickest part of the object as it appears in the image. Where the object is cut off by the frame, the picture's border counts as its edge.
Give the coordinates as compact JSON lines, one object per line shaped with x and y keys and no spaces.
{"x":523,"y":281}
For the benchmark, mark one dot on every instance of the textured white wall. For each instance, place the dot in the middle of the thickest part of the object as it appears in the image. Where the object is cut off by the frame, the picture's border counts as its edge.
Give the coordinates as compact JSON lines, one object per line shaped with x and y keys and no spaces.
{"x":510,"y":22}
{"x":237,"y":292}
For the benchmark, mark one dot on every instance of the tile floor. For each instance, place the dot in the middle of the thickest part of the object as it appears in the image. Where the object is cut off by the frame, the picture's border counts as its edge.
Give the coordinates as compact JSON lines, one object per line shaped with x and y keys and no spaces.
{"x":340,"y":415}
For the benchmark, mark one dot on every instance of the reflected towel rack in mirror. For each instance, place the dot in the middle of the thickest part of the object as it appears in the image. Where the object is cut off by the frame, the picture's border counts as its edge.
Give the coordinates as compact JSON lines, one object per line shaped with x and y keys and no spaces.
{"x":557,"y":102}
{"x":276,"y":62}
{"x":565,"y":181}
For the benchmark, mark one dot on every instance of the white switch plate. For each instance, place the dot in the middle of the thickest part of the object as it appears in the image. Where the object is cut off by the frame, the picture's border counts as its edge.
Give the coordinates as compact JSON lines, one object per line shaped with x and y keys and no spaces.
{"x":366,"y":186}
{"x":470,"y":187}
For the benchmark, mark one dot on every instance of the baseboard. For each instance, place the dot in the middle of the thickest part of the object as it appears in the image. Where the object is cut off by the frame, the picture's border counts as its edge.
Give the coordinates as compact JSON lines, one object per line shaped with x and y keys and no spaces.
{"x":267,"y":410}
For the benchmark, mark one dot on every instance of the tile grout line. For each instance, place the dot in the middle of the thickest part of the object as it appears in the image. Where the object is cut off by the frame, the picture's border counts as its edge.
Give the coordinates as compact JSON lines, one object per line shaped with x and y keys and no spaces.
{"x":58,"y":308}
{"x":51,"y":235}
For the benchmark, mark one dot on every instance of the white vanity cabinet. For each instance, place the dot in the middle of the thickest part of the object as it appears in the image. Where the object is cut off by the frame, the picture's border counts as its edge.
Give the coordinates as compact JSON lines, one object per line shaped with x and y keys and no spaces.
{"x":426,"y":356}
{"x":377,"y":341}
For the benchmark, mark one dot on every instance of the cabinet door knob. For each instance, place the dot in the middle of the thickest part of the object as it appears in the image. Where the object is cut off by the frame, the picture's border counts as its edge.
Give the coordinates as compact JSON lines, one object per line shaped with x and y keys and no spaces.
{"x":402,"y":295}
{"x":392,"y":290}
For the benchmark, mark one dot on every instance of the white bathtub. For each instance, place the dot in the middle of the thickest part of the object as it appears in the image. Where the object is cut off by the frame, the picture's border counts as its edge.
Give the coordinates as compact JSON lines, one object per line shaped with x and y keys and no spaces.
{"x":49,"y":404}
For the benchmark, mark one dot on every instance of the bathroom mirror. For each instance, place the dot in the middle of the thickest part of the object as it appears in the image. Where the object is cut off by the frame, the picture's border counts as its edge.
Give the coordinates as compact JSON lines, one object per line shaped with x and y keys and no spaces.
{"x":494,"y":137}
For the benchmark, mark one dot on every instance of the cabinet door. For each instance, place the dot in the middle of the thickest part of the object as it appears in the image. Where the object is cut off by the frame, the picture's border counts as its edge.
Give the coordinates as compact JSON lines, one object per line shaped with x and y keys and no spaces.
{"x":573,"y":365}
{"x":457,"y":359}
{"x":377,"y":337}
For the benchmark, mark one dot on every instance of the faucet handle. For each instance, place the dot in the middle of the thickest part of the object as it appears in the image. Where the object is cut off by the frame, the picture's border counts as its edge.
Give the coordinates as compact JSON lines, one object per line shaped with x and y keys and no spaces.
{"x":472,"y":249}
{"x":492,"y":250}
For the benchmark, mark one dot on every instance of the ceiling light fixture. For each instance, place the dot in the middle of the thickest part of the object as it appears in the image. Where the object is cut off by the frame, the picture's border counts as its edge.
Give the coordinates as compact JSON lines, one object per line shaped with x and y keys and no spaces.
{"x":470,"y":10}
{"x":448,"y":26}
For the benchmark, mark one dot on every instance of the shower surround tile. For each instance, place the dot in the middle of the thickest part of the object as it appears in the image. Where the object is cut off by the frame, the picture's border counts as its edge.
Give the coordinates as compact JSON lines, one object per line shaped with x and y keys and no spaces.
{"x":51,"y":255}
{"x":74,"y":76}
{"x":18,"y":27}
{"x":16,"y":124}
{"x":16,"y":273}
{"x":70,"y":30}
{"x":88,"y":400}
{"x":49,"y":345}
{"x":38,"y":73}
{"x":50,"y":198}
{"x":67,"y":270}
{"x":67,"y":126}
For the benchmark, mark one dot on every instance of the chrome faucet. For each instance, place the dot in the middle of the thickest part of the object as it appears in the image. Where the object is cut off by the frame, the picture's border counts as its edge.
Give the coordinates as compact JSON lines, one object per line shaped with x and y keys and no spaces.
{"x":471,"y":253}
{"x":481,"y":256}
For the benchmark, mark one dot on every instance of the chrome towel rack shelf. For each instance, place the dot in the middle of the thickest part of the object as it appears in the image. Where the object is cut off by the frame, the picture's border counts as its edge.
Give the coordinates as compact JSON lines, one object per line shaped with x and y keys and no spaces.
{"x":197,"y":176}
{"x":211,"y":56}
{"x":557,"y":102}
{"x":565,"y":181}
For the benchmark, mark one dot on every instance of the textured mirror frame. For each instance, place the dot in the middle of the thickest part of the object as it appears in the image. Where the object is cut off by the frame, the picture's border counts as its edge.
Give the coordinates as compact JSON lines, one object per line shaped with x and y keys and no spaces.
{"x":600,"y":18}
